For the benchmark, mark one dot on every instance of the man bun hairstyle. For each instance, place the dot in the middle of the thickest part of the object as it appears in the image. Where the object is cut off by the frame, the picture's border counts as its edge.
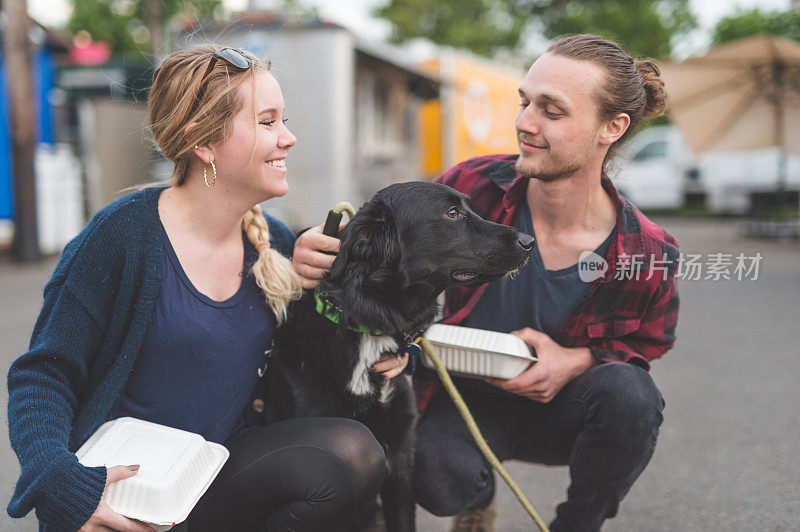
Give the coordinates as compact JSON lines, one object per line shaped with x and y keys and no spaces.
{"x":654,"y":88}
{"x":180,"y":96}
{"x":633,"y":87}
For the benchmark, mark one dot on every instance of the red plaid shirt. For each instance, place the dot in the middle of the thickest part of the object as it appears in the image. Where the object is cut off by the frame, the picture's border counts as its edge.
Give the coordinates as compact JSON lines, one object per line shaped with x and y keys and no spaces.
{"x":629,"y":314}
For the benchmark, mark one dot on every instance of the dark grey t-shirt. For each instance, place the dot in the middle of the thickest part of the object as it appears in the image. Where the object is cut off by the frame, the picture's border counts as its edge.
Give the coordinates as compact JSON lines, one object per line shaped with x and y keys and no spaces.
{"x":535,"y":297}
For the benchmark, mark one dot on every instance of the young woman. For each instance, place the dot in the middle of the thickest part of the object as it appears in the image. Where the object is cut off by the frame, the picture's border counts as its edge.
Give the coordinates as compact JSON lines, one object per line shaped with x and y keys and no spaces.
{"x":163,"y":309}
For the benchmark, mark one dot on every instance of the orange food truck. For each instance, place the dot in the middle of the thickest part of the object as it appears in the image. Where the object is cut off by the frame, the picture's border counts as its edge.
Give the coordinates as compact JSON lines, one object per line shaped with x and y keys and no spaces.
{"x":474,"y":115}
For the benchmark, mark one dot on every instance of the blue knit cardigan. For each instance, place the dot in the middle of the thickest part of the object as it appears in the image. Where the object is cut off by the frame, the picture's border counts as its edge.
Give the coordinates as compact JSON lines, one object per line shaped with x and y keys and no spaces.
{"x":97,"y":307}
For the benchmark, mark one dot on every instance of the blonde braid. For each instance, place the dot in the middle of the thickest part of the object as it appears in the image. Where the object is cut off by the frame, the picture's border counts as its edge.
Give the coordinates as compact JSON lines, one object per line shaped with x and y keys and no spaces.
{"x":273,"y":272}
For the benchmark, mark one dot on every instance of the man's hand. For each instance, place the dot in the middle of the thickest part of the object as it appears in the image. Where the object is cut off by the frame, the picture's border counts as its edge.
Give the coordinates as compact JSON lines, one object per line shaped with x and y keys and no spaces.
{"x":390,"y":365}
{"x":556,"y":366}
{"x":308,"y":261}
{"x":104,"y":518}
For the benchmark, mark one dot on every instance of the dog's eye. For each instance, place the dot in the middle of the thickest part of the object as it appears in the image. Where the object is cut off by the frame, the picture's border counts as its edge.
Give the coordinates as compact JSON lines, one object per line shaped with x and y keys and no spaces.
{"x":452,"y":213}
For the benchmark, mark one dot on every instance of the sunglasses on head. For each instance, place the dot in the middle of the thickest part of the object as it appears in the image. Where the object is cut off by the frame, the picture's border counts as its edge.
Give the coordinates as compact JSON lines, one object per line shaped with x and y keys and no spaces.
{"x":232,"y":56}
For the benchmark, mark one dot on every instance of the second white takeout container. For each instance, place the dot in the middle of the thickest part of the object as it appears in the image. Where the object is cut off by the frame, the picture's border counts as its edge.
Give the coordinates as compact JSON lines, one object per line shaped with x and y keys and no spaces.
{"x":478,"y":353}
{"x":176,"y":468}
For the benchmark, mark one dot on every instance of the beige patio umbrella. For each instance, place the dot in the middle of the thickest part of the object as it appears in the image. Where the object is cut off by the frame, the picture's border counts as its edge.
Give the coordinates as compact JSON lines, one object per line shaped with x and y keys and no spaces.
{"x":741,"y":95}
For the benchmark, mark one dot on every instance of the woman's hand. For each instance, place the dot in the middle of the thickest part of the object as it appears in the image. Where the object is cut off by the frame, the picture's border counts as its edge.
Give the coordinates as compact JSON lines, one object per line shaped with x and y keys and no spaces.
{"x":104,"y":518}
{"x":308,"y":260}
{"x":390,"y":365}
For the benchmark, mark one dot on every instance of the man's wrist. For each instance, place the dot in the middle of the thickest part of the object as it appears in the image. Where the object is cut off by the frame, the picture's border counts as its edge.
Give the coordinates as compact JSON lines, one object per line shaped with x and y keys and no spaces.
{"x":583,"y":359}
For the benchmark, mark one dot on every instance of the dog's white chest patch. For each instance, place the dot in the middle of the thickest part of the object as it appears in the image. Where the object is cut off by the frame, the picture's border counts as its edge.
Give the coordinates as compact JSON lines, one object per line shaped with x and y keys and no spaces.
{"x":369,"y":351}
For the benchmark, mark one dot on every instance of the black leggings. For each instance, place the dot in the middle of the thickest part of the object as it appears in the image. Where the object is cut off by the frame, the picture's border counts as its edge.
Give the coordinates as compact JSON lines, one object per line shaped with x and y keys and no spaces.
{"x":301,"y":474}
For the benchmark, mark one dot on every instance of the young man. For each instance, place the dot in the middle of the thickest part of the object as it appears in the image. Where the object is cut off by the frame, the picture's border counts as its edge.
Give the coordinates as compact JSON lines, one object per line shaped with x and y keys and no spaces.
{"x":595,"y":320}
{"x":597,"y":300}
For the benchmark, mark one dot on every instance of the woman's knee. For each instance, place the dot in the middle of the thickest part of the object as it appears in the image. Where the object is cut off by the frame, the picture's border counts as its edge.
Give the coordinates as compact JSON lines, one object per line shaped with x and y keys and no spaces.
{"x":303,"y":474}
{"x":626,"y":401}
{"x":360,"y":453}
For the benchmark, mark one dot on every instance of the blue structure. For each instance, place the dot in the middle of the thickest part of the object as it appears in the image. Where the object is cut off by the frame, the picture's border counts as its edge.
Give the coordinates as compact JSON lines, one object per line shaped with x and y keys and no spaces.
{"x":43,"y":82}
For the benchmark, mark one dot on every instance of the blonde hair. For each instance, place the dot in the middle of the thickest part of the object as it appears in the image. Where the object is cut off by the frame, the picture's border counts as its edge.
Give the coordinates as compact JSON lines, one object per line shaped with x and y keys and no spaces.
{"x":179,"y":97}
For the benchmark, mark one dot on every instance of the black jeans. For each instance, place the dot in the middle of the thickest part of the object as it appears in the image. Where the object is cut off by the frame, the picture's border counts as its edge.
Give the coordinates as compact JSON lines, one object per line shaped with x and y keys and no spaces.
{"x":302,"y":474}
{"x":603,"y":424}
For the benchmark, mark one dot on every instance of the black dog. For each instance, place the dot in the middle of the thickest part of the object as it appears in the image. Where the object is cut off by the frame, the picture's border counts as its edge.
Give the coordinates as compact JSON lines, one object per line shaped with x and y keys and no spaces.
{"x":400,"y":251}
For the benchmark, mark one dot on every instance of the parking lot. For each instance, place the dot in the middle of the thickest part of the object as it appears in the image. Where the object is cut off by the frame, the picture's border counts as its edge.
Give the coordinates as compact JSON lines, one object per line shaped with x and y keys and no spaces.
{"x":727,"y":458}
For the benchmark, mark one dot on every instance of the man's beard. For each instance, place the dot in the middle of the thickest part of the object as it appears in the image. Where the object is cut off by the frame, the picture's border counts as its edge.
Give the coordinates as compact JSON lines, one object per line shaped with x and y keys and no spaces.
{"x":549,"y":174}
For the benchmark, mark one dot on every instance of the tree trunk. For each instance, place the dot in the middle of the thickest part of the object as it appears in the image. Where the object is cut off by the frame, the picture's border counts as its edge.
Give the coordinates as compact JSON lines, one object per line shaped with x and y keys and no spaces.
{"x":17,"y":55}
{"x":154,"y":23}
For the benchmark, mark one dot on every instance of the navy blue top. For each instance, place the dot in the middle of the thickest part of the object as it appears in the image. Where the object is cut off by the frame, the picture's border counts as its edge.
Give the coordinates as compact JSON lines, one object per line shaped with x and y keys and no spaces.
{"x":200,"y":359}
{"x":535,"y":297}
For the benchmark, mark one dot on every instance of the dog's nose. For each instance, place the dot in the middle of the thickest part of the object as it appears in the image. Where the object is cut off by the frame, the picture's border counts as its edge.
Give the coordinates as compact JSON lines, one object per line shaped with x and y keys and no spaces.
{"x":525,"y":241}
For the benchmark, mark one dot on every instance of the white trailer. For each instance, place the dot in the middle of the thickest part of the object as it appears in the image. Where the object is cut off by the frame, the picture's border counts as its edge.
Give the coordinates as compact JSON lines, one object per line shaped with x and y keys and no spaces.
{"x":657,"y":170}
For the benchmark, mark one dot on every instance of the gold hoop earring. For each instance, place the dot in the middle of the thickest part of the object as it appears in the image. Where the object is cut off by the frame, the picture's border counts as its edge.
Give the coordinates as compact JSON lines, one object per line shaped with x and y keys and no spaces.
{"x":205,"y":175}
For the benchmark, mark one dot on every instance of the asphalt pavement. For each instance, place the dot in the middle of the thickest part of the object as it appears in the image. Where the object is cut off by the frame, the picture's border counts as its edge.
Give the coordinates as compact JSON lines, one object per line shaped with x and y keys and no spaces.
{"x":727,"y":458}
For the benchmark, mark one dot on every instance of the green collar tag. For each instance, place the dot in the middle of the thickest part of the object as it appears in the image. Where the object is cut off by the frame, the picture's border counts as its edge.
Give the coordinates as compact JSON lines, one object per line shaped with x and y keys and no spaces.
{"x":327,"y":309}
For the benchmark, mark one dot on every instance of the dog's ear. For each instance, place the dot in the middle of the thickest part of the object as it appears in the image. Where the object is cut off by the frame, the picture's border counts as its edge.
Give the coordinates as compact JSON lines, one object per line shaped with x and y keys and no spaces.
{"x":369,"y":242}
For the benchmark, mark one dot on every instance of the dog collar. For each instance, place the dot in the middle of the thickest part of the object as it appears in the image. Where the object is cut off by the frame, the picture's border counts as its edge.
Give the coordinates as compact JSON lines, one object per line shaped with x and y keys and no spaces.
{"x":327,"y":309}
{"x":332,"y":312}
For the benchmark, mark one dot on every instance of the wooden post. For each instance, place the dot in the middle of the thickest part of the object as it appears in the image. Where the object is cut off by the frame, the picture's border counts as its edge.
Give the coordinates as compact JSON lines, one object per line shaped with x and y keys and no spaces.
{"x":154,"y":24}
{"x":19,"y":80}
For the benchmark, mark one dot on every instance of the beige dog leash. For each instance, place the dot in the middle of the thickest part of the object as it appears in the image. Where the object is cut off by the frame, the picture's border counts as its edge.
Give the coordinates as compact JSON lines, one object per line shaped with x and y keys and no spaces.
{"x":476,"y":433}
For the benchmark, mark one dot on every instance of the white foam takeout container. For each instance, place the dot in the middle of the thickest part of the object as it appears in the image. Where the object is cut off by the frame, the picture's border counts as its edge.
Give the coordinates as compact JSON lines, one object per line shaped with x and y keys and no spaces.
{"x":478,"y":353}
{"x":176,"y":468}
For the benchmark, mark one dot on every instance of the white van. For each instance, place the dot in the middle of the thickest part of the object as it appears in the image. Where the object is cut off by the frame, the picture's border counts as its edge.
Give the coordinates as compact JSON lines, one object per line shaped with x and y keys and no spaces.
{"x":652,"y":168}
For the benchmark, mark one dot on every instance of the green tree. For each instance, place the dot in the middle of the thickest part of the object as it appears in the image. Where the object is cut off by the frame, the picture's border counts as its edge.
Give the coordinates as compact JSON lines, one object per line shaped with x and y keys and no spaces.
{"x":487,"y":26}
{"x":746,"y":23}
{"x":643,"y":29}
{"x":129,"y":26}
{"x":483,"y":26}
